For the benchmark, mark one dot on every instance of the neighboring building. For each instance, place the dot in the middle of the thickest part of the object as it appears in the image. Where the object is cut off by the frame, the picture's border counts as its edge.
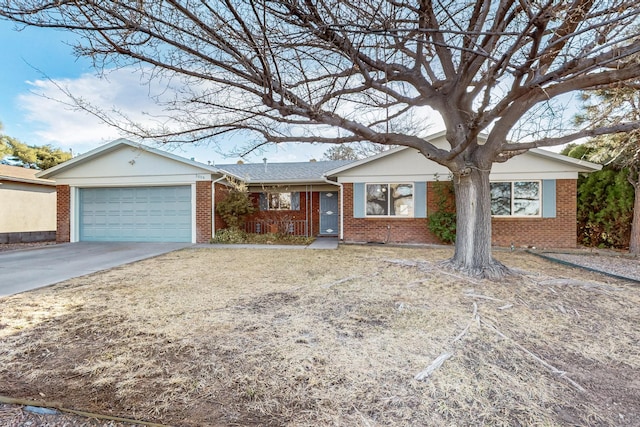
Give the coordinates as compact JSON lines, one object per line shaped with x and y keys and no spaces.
{"x":124,"y":191}
{"x":27,"y":206}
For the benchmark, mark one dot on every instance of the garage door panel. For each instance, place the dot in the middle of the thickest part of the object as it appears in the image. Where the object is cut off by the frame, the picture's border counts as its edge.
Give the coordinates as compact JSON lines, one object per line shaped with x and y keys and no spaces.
{"x":143,"y":214}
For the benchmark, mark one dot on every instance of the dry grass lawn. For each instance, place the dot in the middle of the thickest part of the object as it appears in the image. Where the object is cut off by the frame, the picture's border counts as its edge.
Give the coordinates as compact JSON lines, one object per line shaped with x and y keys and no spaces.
{"x":208,"y":337}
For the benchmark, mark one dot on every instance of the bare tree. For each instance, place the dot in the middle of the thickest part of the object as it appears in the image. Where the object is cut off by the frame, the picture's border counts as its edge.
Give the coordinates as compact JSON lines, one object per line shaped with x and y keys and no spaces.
{"x":337,"y":71}
{"x":355,"y":151}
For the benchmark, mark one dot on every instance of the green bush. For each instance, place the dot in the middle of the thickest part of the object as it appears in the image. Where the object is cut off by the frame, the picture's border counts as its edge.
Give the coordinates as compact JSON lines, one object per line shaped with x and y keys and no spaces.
{"x":443,"y":226}
{"x":605,"y":209}
{"x":442,"y":222}
{"x":236,"y":205}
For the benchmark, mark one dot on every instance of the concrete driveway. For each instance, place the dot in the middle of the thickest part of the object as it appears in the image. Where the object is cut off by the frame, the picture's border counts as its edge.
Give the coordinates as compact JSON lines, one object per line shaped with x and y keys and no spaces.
{"x":33,"y":268}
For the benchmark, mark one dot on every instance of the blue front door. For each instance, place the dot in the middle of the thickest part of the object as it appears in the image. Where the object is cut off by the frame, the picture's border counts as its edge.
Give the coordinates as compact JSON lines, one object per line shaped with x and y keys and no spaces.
{"x":329,"y":218}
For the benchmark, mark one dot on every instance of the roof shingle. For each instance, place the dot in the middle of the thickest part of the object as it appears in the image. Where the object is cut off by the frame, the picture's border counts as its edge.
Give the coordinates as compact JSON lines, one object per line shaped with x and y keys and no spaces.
{"x":282,"y":172}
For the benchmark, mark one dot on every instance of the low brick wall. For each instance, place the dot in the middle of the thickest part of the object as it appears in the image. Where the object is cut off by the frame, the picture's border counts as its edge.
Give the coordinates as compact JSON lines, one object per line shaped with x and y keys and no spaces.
{"x":28,"y":237}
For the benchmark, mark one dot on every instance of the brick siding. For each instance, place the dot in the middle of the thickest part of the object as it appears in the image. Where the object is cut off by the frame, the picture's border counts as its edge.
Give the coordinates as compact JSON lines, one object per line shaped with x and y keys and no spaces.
{"x":63,"y":208}
{"x":385,"y":230}
{"x":559,"y":232}
{"x":203,"y":211}
{"x":309,"y":211}
{"x":220,"y":192}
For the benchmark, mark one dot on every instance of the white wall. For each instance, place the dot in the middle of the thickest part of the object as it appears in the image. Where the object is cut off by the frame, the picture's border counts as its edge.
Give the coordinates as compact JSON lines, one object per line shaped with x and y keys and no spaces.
{"x":410,"y":165}
{"x":130,"y":166}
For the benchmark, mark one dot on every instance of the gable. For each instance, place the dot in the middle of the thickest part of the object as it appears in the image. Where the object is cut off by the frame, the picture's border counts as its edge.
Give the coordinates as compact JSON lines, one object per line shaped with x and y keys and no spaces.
{"x":408,"y":164}
{"x":127,"y":164}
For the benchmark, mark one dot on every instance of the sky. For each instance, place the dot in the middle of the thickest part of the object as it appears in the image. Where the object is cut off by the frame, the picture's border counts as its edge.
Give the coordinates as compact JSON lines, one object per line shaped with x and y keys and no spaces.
{"x":38,"y":62}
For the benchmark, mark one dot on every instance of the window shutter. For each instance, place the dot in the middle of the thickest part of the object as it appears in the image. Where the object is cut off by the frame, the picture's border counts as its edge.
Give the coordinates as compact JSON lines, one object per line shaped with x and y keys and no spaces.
{"x":549,"y":198}
{"x":358,"y":200}
{"x":264,"y":202}
{"x":420,"y":199}
{"x":295,"y":201}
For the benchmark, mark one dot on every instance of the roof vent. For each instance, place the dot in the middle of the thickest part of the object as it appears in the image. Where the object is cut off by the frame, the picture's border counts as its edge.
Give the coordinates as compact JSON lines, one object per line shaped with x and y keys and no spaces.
{"x":265,"y":164}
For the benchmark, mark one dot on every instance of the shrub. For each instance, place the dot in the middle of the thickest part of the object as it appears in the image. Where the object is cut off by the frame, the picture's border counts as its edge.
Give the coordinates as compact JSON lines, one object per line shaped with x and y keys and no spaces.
{"x":442,"y":222}
{"x":236,"y":205}
{"x":229,"y":235}
{"x":235,"y":236}
{"x":605,"y":209}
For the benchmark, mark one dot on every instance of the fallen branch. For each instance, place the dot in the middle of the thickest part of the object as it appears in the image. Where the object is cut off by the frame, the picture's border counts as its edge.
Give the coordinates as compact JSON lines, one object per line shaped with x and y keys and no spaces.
{"x":474,"y":318}
{"x":482,"y":297}
{"x":421,"y":376}
{"x":61,"y":408}
{"x":402,"y":262}
{"x":339,"y":282}
{"x":439,"y":361}
{"x":553,"y":369}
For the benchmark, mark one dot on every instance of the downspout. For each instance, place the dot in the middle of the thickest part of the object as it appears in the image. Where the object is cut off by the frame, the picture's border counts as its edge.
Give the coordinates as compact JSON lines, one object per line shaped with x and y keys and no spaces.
{"x":341,"y":208}
{"x":213,"y":205}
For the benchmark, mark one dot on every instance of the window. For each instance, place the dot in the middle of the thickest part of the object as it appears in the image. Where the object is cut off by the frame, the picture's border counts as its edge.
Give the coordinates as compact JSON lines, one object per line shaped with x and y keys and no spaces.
{"x":389,"y":200}
{"x":280,"y":201}
{"x":517,"y":198}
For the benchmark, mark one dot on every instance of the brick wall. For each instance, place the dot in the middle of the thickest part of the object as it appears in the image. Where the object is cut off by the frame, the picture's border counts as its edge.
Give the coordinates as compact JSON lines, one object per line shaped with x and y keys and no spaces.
{"x":220,"y":192}
{"x":203,"y":211}
{"x":309,"y":210}
{"x":385,"y":230}
{"x":63,"y":208}
{"x":559,"y":232}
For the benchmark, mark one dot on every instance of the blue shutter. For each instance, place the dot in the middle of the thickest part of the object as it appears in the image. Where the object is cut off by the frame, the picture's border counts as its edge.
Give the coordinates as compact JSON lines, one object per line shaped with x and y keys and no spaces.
{"x":295,"y":201}
{"x":264,"y":202}
{"x":549,"y":198}
{"x":420,"y":199}
{"x":358,"y":200}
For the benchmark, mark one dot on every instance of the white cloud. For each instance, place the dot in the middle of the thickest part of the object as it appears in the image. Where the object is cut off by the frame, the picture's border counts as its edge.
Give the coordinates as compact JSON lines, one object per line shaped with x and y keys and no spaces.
{"x":55,"y":121}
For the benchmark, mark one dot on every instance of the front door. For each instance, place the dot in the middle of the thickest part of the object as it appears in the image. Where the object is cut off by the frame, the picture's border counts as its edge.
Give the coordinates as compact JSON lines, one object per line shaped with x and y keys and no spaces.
{"x":329,"y":218}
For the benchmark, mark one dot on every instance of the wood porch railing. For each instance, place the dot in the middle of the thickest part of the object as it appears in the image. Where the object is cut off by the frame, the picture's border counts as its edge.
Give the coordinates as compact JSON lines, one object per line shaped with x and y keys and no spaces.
{"x":297,"y":227}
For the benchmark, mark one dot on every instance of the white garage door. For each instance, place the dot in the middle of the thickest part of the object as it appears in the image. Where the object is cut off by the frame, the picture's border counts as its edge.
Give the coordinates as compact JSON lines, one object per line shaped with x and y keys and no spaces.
{"x":135,"y":214}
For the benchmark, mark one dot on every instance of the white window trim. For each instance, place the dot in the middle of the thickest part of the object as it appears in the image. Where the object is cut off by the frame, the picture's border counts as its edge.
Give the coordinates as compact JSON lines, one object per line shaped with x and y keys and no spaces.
{"x":512,"y":181}
{"x":413,"y":199}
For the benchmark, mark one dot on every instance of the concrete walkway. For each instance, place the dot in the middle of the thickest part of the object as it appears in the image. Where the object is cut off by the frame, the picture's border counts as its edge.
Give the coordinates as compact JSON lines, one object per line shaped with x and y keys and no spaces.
{"x":28,"y":269}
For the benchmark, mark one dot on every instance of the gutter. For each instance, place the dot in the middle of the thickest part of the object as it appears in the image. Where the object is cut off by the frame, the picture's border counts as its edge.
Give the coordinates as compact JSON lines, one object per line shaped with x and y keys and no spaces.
{"x":38,"y":181}
{"x":341,"y":208}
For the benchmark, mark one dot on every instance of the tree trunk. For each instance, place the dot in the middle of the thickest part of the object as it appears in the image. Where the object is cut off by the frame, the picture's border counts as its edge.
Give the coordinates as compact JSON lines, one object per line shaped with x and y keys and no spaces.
{"x":634,"y":242}
{"x":473,"y":227}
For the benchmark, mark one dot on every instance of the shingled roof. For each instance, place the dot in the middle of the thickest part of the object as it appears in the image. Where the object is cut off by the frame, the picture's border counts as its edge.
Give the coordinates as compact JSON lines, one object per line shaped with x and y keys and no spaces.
{"x":20,"y":174}
{"x":276,"y":173}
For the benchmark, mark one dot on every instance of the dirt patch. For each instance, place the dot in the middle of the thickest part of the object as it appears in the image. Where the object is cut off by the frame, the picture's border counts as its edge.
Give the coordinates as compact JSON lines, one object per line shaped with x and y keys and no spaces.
{"x":236,"y":337}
